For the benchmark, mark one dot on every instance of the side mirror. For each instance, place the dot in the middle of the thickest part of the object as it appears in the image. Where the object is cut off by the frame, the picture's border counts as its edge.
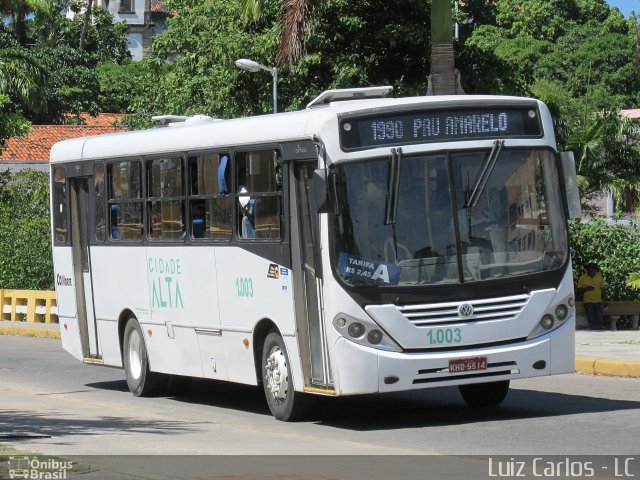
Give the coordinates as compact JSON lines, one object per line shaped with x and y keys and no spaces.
{"x":571,"y":184}
{"x":319,"y":190}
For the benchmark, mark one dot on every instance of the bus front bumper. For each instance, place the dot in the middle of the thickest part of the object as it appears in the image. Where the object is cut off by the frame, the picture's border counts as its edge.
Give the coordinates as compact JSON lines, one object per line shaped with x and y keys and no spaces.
{"x":360,"y":370}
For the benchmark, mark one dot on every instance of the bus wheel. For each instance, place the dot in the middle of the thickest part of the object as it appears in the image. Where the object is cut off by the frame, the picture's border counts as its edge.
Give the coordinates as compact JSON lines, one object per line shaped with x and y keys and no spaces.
{"x":141,"y":381}
{"x":285,"y":404}
{"x":484,"y":394}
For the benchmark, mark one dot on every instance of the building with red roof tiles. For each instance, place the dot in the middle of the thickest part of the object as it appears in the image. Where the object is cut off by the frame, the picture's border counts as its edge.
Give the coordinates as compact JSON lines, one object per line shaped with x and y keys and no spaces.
{"x":32,"y":150}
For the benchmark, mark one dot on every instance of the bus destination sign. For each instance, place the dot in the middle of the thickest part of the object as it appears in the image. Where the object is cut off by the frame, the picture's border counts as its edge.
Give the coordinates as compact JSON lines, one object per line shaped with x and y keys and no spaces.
{"x":439,"y":126}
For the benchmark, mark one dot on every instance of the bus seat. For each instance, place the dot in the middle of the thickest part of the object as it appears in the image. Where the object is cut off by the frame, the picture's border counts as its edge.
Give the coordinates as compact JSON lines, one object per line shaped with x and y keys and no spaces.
{"x":198,"y":227}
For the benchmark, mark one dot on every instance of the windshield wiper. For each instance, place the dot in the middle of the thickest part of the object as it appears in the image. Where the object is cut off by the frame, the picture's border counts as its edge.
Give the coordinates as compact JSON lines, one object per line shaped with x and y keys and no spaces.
{"x":485,"y":173}
{"x":391,"y":208}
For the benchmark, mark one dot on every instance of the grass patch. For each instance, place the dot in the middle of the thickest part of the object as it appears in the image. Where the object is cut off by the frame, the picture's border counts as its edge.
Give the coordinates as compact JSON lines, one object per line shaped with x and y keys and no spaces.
{"x":7,"y":450}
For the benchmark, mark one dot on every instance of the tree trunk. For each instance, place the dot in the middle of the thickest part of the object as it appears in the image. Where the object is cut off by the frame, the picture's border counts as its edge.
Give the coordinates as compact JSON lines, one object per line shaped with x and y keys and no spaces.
{"x":444,"y":79}
{"x":85,"y":25}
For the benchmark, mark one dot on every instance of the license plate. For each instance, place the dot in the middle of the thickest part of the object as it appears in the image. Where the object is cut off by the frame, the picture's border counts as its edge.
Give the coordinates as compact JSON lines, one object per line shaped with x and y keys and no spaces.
{"x":467,"y":364}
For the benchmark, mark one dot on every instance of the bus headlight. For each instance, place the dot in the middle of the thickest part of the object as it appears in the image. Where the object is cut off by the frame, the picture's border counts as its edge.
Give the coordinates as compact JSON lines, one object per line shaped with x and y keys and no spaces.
{"x":374,"y":337}
{"x":554,"y":317}
{"x":364,"y":331}
{"x":356,"y":330}
{"x":561,"y":312}
{"x":547,"y":322}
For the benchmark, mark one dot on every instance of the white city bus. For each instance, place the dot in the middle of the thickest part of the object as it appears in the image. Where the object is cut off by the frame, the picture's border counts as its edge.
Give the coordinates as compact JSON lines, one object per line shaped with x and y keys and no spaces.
{"x":365,"y":244}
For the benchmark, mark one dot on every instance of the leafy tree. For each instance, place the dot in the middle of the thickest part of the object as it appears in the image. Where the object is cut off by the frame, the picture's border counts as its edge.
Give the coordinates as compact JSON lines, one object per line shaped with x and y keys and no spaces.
{"x":12,"y":123}
{"x":25,"y":233}
{"x":72,"y":83}
{"x":582,"y":44}
{"x":350,"y":47}
{"x":104,"y":39}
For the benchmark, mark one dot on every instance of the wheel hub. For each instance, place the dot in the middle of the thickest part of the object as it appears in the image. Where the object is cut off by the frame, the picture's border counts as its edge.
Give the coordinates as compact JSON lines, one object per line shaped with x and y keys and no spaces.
{"x":135,"y":354}
{"x":277,"y":375}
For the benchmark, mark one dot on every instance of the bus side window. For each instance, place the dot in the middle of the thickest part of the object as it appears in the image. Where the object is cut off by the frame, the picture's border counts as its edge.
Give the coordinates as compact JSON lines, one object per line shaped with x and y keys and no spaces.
{"x":165,"y":199}
{"x":209,"y":202}
{"x":60,"y":206}
{"x":259,"y":194}
{"x":125,"y":200}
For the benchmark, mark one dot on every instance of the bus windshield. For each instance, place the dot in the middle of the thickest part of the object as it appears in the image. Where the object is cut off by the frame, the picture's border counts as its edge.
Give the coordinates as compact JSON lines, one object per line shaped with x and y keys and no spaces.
{"x":450,"y":225}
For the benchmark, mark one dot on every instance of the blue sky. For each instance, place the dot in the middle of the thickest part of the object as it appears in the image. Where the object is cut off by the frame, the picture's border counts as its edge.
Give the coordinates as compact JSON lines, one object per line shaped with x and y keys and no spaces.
{"x":626,"y":6}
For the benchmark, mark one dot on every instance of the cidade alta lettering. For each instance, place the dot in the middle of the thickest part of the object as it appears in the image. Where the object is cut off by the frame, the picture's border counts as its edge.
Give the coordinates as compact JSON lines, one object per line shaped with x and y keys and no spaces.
{"x":165,"y":275}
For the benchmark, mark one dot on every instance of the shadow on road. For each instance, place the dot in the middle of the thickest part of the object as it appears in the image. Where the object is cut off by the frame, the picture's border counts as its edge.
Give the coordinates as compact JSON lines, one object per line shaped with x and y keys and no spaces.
{"x":113,"y":385}
{"x":61,"y":424}
{"x":444,"y":406}
{"x":432,"y":407}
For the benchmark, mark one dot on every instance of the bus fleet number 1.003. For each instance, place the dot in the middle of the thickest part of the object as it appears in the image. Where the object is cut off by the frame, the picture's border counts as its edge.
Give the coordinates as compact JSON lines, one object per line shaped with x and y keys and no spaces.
{"x":244,"y":287}
{"x":444,"y":336}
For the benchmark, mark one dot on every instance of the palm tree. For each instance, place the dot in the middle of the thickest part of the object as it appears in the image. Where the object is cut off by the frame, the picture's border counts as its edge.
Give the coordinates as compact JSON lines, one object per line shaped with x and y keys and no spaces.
{"x":444,"y":78}
{"x":16,"y":12}
{"x":295,"y":16}
{"x":606,"y":147}
{"x":22,"y":78}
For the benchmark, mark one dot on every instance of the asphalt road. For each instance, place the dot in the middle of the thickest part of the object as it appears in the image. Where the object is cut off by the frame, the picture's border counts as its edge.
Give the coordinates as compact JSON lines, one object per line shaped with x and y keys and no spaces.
{"x":51,"y":403}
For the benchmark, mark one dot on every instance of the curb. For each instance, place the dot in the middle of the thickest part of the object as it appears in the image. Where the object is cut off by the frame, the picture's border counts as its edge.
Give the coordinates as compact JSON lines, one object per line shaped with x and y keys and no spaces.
{"x":24,"y":331}
{"x":603,"y":366}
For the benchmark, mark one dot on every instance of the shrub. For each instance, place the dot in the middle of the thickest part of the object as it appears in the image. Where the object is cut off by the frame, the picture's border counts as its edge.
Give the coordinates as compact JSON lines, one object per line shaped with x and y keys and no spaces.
{"x":25,"y":233}
{"x":616,"y":250}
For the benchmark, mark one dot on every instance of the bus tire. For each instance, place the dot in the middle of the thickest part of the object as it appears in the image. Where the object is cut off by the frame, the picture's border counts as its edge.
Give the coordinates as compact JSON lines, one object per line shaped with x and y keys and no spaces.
{"x":141,"y":381}
{"x":285,"y":403}
{"x":484,"y":394}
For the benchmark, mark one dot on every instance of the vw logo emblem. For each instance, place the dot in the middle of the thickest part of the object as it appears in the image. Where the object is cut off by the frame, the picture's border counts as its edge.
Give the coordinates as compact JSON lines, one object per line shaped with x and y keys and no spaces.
{"x":465,"y":310}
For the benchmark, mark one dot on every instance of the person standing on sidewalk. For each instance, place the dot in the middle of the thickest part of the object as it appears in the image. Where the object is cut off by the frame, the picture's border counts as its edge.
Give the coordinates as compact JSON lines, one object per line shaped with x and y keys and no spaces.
{"x":591,"y":286}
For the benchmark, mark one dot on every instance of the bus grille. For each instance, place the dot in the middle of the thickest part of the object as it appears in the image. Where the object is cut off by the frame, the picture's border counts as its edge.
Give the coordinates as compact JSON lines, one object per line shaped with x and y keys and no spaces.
{"x":501,"y":308}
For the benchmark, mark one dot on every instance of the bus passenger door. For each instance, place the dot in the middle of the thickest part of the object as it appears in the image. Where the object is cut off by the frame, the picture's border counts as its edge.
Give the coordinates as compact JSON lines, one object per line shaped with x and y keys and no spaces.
{"x":82,"y":267}
{"x":306,"y":262}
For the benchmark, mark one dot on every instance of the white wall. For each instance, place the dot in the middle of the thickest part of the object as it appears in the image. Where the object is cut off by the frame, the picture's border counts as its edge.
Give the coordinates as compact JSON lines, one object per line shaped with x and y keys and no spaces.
{"x":135,"y":45}
{"x":136,"y":18}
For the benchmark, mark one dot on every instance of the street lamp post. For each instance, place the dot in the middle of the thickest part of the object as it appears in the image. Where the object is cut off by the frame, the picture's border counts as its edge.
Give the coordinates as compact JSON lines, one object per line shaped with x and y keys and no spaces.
{"x":251,"y":66}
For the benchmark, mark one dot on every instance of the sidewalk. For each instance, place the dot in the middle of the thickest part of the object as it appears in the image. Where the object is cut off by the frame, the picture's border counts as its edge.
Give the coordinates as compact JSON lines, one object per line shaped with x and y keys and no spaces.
{"x":602,"y":352}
